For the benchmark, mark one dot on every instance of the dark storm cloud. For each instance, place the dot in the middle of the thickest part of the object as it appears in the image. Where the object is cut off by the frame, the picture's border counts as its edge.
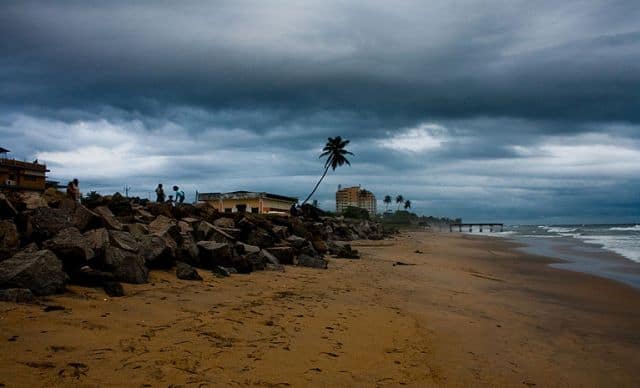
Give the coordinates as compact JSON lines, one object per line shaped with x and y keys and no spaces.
{"x":417,"y":59}
{"x":453,"y":104}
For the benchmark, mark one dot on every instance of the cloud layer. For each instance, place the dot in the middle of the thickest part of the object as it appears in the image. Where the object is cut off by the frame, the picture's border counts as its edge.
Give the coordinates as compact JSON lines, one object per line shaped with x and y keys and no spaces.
{"x":504,"y":110}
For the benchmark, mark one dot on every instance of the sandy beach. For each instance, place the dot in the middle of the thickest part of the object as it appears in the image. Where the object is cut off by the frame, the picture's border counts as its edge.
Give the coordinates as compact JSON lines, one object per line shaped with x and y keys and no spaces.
{"x":467,"y":311}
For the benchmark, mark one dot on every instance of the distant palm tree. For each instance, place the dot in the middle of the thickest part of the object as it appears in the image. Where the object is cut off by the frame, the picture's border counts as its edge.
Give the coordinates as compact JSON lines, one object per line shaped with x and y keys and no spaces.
{"x":399,"y":200}
{"x":387,"y":202}
{"x":336,"y":156}
{"x":407,"y":204}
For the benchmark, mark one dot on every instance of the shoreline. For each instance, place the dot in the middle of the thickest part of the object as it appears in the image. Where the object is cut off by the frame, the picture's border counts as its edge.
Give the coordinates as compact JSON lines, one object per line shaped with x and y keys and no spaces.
{"x":469,"y":311}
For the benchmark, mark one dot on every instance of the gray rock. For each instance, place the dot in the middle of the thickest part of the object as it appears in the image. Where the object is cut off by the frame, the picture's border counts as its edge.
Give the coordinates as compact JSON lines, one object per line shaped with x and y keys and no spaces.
{"x":41,"y":272}
{"x":6,"y":208}
{"x":82,"y":217}
{"x":268,"y":257}
{"x":212,"y":254}
{"x":137,"y":230}
{"x":282,"y":232}
{"x":92,"y":277}
{"x":113,"y":289}
{"x":126,"y":266}
{"x":274,"y":267}
{"x":297,"y":241}
{"x":185,"y":227}
{"x":285,"y":255}
{"x":203,"y":230}
{"x":156,"y":252}
{"x":71,"y":247}
{"x":221,"y":271}
{"x":224,"y":222}
{"x":164,"y":226}
{"x":188,"y":251}
{"x":123,"y":240}
{"x":108,"y":219}
{"x":44,"y":223}
{"x":17,"y":295}
{"x":310,"y":261}
{"x":246,"y":248}
{"x":9,"y":239}
{"x":186,"y":272}
{"x":98,"y":241}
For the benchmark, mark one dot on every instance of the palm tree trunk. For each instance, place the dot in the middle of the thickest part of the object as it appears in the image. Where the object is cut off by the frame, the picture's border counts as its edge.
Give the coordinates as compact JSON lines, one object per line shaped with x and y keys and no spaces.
{"x":317,"y":184}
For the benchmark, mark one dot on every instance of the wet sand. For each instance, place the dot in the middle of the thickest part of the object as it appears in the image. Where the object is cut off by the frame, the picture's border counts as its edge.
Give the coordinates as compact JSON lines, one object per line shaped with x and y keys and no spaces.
{"x":471,"y":311}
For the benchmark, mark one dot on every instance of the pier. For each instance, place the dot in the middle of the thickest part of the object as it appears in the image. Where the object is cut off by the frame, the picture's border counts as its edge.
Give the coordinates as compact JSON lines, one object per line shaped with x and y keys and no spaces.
{"x":491,"y":226}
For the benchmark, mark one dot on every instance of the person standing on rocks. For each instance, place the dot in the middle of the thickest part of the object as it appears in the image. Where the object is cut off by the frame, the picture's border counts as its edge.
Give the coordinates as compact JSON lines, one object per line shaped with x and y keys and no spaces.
{"x":159,"y":193}
{"x":179,"y":194}
{"x":71,"y":191}
{"x":76,"y":190}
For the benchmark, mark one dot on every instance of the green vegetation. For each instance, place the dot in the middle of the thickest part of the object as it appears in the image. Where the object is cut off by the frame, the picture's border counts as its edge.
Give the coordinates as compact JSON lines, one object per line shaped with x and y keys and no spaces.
{"x":355,"y":212}
{"x":404,"y":218}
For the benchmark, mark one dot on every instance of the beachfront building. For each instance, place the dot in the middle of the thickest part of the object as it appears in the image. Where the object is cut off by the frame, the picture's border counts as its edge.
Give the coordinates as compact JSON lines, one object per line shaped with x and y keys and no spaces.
{"x":248,"y":201}
{"x":21,"y":176}
{"x":355,"y":197}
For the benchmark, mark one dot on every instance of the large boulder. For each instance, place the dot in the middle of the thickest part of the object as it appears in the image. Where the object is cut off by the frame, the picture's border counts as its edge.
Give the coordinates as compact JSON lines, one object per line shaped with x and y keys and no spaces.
{"x":310,"y":261}
{"x":164,"y":226}
{"x":185,"y":227}
{"x":320,"y":246}
{"x":41,"y":272}
{"x":17,"y":295}
{"x":280,"y":231}
{"x":156,"y":252}
{"x":225,"y":222}
{"x":43,"y":223}
{"x":297,"y":241}
{"x":92,"y":277}
{"x":123,"y":240}
{"x":98,"y":241}
{"x":6,"y":208}
{"x":212,"y":254}
{"x":81,"y":216}
{"x":28,"y":200}
{"x":126,"y":266}
{"x":108,"y":219}
{"x":187,"y":251}
{"x":186,"y":272}
{"x":203,"y":230}
{"x":71,"y":247}
{"x":285,"y":254}
{"x":53,"y":196}
{"x":137,"y":230}
{"x":120,"y":206}
{"x":9,"y":239}
{"x":260,"y":237}
{"x":343,"y":251}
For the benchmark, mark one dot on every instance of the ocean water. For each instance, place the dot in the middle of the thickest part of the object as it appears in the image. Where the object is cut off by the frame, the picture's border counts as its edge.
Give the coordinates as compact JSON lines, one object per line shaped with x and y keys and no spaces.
{"x":611,"y":251}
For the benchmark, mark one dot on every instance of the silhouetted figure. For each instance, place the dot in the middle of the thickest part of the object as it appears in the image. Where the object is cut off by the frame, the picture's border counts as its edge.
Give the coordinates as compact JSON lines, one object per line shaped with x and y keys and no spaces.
{"x":179,"y":194}
{"x":76,"y":189}
{"x":71,"y":191}
{"x":160,"y":193}
{"x":293,"y":211}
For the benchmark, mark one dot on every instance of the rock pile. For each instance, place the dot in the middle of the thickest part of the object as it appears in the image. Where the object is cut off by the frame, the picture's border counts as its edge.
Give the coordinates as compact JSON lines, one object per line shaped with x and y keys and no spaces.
{"x":48,"y":240}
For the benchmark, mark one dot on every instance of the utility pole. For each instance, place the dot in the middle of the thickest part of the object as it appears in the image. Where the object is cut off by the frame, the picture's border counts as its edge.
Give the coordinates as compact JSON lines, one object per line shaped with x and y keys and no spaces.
{"x":126,"y":190}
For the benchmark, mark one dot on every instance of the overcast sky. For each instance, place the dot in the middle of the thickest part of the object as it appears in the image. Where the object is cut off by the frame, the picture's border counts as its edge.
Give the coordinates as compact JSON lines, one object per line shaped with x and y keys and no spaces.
{"x":515,"y":111}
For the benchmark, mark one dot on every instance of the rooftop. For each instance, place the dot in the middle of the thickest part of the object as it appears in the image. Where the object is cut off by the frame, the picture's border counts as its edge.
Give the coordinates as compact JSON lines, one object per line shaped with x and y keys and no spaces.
{"x":244,"y":195}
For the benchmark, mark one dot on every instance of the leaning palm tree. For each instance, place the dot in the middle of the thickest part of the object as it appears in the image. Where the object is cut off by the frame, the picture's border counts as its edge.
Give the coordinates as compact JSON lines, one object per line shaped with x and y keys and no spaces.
{"x":387,"y":202}
{"x":399,"y":200}
{"x":336,"y":156}
{"x":407,"y":204}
